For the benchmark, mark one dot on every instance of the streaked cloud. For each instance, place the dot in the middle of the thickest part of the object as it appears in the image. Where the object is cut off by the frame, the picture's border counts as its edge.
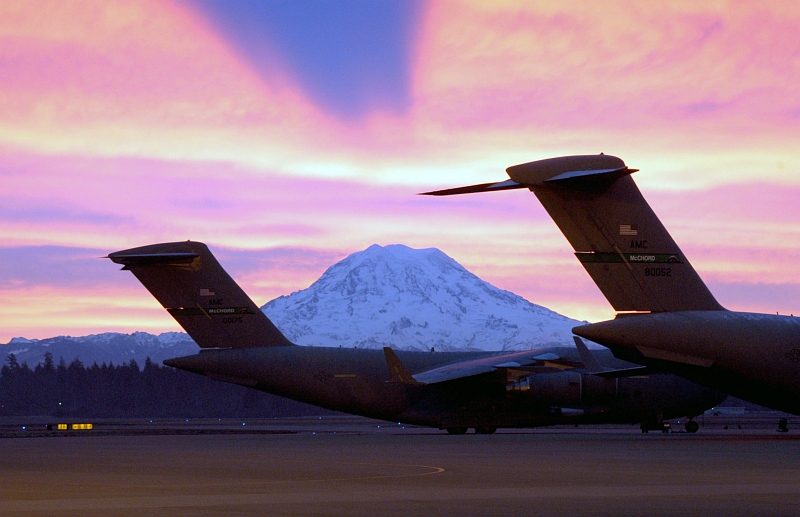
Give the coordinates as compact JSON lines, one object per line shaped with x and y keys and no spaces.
{"x":126,"y":123}
{"x":683,"y":85}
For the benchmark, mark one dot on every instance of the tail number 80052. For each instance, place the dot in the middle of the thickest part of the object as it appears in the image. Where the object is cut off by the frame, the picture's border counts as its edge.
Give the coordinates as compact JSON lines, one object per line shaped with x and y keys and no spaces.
{"x":657,"y":271}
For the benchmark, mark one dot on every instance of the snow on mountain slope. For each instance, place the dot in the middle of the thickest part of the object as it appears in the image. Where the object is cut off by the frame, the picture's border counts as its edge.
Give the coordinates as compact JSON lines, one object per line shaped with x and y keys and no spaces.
{"x":415,"y":300}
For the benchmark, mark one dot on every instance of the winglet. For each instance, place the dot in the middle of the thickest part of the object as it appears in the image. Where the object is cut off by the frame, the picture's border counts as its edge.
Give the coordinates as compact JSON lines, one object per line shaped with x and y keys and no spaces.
{"x":397,"y":370}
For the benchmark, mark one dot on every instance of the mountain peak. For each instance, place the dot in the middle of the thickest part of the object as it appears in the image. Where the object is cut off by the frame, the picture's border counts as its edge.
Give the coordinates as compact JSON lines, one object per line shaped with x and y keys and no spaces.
{"x":397,"y":254}
{"x":382,"y":270}
{"x":412,"y":299}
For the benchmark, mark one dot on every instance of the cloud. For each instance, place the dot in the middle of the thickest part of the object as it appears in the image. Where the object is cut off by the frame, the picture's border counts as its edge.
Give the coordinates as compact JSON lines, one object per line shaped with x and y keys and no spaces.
{"x":758,"y":297}
{"x":51,"y":266}
{"x":464,"y":89}
{"x":698,"y":82}
{"x":148,"y":79}
{"x":58,"y":290}
{"x":125,"y":123}
{"x":351,"y":57}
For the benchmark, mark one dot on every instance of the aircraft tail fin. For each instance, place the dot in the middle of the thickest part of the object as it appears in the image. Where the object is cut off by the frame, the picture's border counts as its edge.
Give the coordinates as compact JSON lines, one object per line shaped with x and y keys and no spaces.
{"x":593,"y":366}
{"x":397,"y":369}
{"x":194,"y":288}
{"x":615,"y":234}
{"x":590,"y":362}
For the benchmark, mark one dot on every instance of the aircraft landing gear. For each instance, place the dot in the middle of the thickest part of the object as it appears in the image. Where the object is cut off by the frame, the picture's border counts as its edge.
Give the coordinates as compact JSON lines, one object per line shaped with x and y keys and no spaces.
{"x":485,"y":430}
{"x":691,"y":426}
{"x":456,"y":430}
{"x":783,"y":425}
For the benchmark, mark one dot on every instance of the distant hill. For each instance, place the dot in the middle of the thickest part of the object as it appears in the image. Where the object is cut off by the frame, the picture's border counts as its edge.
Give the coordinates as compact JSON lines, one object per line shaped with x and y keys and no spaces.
{"x":106,"y":348}
{"x":383,"y":296}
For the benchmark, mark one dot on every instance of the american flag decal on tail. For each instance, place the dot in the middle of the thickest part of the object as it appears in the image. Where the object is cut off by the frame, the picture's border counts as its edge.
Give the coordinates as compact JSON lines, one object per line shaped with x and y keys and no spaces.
{"x":628,"y":230}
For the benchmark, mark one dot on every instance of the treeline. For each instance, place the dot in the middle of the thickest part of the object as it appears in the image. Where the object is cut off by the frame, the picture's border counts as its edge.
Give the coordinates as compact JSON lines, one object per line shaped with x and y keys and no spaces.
{"x":128,"y":391}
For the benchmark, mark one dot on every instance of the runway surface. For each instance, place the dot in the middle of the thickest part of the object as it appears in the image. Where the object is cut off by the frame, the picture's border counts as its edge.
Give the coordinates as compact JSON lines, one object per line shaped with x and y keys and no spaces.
{"x":352,"y":467}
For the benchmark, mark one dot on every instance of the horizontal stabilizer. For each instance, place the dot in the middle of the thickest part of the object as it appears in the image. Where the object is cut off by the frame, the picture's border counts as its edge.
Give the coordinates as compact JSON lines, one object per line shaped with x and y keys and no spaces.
{"x":472,"y":189}
{"x":152,"y":259}
{"x":582,"y":170}
{"x":579,"y":169}
{"x":592,"y":174}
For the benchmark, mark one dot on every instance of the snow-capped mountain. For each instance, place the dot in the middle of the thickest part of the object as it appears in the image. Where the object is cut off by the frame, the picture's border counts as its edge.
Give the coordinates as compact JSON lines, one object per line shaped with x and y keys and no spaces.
{"x":413,"y":300}
{"x":383,"y":296}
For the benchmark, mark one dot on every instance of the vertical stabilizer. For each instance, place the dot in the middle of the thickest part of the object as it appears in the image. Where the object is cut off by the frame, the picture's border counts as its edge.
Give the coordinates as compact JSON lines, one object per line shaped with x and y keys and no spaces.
{"x":619,"y":241}
{"x":189,"y":282}
{"x":615,"y":234}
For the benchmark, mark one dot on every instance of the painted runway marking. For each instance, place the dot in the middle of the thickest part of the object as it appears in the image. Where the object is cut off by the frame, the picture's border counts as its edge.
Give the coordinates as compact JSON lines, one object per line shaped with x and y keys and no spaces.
{"x":433,"y":470}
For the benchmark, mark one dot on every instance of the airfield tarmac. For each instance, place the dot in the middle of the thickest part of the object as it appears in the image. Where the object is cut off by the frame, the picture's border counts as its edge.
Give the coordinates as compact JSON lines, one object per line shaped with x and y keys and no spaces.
{"x":350,"y":466}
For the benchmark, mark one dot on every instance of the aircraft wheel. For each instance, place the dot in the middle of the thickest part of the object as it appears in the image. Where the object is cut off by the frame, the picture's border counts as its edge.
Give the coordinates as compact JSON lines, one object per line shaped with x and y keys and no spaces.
{"x":457,"y":430}
{"x":485,"y":430}
{"x":692,"y":426}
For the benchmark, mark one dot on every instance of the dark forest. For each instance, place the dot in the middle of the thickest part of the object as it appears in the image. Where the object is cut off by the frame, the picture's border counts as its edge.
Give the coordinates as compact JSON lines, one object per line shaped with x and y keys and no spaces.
{"x":128,"y":391}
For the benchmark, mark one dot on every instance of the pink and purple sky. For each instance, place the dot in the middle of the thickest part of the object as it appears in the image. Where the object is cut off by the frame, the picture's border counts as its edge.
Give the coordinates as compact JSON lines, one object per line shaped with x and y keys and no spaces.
{"x":288,"y":135}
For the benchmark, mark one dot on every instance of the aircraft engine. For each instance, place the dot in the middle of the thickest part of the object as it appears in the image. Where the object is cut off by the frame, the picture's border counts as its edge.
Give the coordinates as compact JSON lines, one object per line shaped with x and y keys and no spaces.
{"x":564,"y":388}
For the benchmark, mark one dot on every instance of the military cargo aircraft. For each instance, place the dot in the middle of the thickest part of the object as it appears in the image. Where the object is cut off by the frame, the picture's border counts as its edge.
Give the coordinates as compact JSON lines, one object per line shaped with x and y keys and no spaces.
{"x":667,"y":319}
{"x":453,"y":391}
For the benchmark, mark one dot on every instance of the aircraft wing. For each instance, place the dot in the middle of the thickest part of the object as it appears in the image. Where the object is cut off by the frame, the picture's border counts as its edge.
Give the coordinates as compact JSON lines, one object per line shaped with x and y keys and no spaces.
{"x":637,"y":371}
{"x":534,"y":361}
{"x":525,"y":359}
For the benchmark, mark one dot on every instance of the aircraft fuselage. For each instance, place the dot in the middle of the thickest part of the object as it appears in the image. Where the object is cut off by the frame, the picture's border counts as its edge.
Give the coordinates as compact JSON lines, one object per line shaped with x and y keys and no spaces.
{"x":359,"y":382}
{"x":749,"y":355}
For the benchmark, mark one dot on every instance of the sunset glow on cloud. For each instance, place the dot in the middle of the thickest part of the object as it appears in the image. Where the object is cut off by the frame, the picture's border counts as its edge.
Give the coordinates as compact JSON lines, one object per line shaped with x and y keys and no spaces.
{"x":124,"y":123}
